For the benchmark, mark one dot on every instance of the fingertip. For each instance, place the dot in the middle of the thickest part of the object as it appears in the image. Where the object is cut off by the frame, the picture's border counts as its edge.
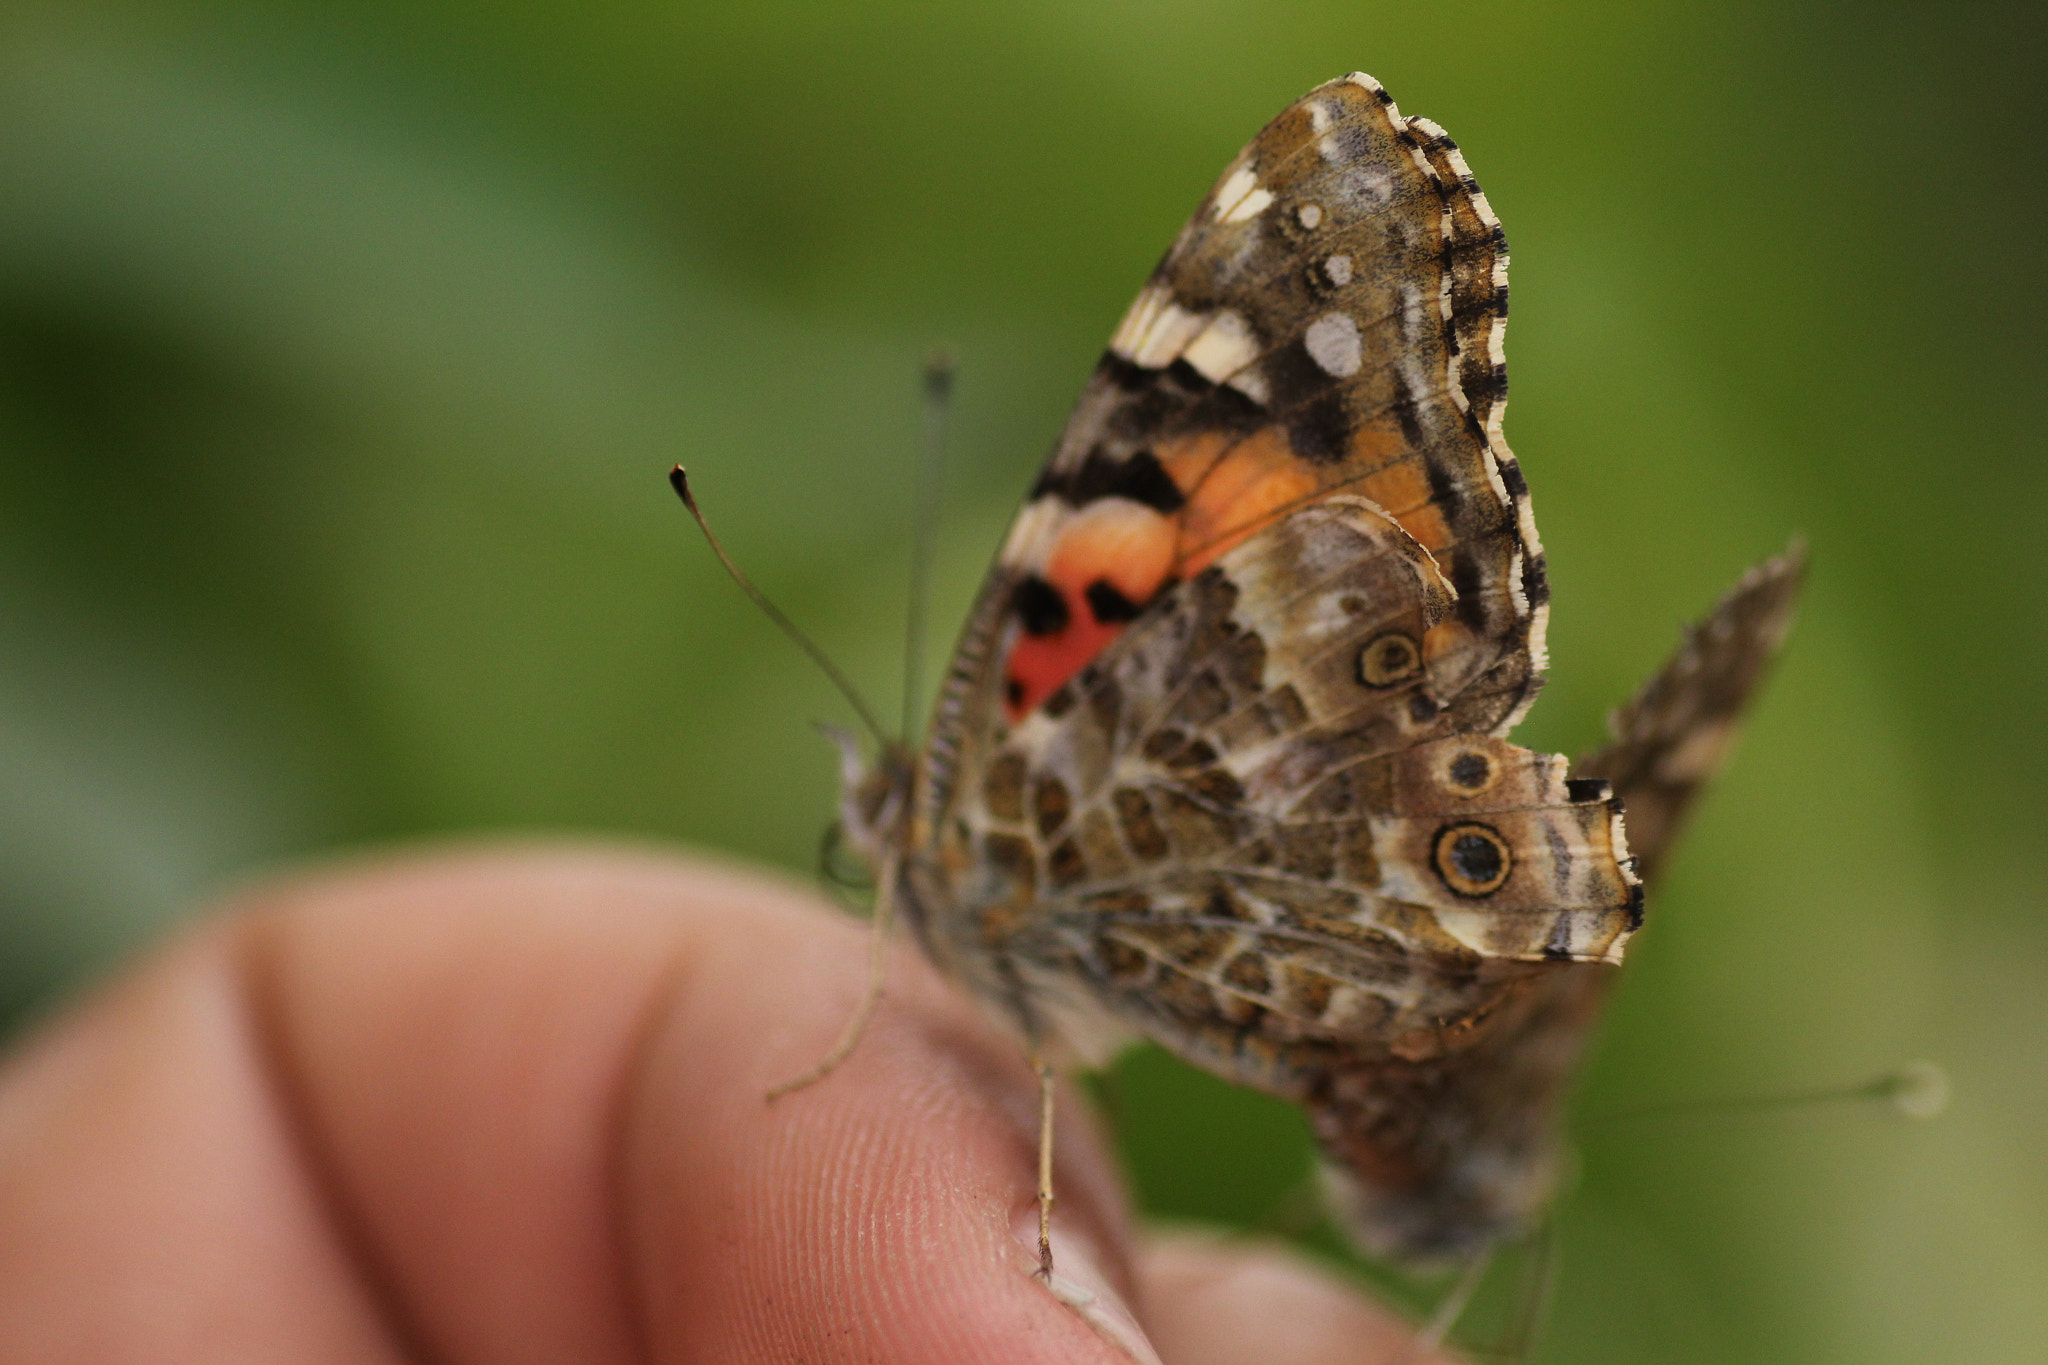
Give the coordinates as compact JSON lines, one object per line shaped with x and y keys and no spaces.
{"x":1217,"y":1301}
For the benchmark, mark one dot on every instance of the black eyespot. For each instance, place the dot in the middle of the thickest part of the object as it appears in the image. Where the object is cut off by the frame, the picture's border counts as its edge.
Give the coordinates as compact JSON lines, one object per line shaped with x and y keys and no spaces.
{"x":1472,"y":859}
{"x":1471,"y":770}
{"x":1039,"y":606}
{"x":1389,"y":659}
{"x":1013,"y":692}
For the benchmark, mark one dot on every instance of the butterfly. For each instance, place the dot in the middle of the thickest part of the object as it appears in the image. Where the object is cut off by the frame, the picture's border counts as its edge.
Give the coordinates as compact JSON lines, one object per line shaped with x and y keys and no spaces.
{"x":1220,"y":759}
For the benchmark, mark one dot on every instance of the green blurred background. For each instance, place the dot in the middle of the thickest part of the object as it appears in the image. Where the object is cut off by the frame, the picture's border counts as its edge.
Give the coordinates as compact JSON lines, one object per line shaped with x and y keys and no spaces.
{"x":343,"y":350}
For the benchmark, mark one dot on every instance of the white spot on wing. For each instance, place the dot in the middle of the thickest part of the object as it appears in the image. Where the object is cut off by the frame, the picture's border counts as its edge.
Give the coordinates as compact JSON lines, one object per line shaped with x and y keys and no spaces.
{"x":1033,"y":533}
{"x":1155,"y":330}
{"x":1338,"y":268}
{"x":1332,"y":342}
{"x":1249,"y":207}
{"x":1310,"y":215}
{"x":1367,"y":188}
{"x":1223,"y":348}
{"x":1240,"y":198}
{"x":1413,"y":324}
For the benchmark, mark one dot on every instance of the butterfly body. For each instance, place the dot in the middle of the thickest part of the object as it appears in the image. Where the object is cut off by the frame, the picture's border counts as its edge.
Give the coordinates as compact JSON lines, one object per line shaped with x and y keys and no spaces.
{"x":1220,"y":759}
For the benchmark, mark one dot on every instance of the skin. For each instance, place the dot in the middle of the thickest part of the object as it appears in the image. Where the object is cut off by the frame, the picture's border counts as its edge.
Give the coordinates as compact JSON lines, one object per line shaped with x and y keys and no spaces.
{"x":506,"y":1104}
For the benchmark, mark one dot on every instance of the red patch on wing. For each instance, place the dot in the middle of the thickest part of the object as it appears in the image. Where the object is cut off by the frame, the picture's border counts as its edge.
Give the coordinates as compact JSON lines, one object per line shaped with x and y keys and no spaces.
{"x":1403,"y":489}
{"x":1040,"y":663}
{"x":1121,"y":550}
{"x":1233,"y":486}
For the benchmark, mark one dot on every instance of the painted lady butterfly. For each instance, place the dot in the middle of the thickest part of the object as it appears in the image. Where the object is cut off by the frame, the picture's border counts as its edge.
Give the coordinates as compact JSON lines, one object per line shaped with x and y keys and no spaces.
{"x":1220,"y":762}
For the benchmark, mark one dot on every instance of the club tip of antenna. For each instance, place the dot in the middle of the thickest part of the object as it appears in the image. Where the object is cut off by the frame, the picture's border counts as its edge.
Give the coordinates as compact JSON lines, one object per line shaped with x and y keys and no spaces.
{"x":680,"y":481}
{"x":1917,"y":1090}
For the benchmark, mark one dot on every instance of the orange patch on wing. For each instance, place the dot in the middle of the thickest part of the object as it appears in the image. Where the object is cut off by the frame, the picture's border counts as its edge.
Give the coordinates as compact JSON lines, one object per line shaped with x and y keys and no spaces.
{"x":1112,"y":544}
{"x":1378,"y":442}
{"x":1398,"y":488}
{"x":1126,"y":545}
{"x":1427,"y":525}
{"x":1445,"y":636}
{"x":1403,"y":489}
{"x":1259,"y":479}
{"x":1188,"y":460}
{"x":1287,"y":132}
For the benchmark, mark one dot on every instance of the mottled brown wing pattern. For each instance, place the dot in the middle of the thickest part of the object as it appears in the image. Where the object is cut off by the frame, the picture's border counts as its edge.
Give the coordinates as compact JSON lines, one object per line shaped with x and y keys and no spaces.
{"x":1259,"y":784}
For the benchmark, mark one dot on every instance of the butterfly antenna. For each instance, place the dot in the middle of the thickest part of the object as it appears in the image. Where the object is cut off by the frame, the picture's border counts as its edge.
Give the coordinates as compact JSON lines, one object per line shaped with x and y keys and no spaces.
{"x":681,"y":483}
{"x":938,"y":403}
{"x":1913,"y":1090}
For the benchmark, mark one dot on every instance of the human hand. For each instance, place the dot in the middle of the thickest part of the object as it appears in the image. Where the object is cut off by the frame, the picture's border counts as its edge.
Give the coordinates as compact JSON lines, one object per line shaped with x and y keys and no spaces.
{"x":509,"y":1104}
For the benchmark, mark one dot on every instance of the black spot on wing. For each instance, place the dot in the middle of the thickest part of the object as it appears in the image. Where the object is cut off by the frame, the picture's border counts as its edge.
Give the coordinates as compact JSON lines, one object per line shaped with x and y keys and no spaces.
{"x":1404,"y":409}
{"x":1489,"y":388}
{"x":1468,"y":576}
{"x":1211,"y":405}
{"x":1158,"y":407}
{"x":1319,"y":430}
{"x":1139,"y":477}
{"x":1127,"y":375}
{"x":1039,"y":606}
{"x":1517,"y":483}
{"x":1318,"y":421}
{"x":1109,"y":606}
{"x":1536,"y":580}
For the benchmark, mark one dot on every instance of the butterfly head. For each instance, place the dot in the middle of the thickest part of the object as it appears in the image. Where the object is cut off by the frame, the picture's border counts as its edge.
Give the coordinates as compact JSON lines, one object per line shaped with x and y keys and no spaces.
{"x":874,"y":796}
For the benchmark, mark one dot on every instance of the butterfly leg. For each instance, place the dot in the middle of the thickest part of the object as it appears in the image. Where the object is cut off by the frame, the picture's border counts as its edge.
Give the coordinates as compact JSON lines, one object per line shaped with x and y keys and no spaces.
{"x":1539,"y":1283}
{"x":871,"y":994}
{"x":1452,"y":1306}
{"x":1045,"y":1089}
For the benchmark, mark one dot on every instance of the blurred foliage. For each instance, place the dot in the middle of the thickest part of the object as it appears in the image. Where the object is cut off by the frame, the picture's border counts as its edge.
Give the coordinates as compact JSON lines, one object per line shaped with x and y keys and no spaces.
{"x":343,"y":350}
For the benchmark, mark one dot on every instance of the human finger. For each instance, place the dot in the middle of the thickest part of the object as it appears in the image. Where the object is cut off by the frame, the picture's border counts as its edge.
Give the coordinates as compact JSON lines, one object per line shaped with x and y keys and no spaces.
{"x":1225,"y":1301}
{"x":510,"y":1105}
